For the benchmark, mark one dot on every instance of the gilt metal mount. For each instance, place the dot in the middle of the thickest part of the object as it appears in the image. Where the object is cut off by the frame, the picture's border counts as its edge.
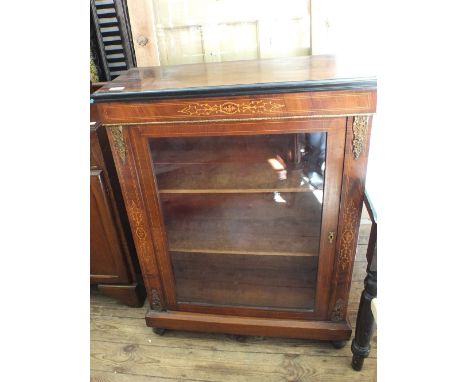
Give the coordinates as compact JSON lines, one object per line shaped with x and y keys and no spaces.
{"x":118,"y":141}
{"x":359,"y":134}
{"x":155,"y":301}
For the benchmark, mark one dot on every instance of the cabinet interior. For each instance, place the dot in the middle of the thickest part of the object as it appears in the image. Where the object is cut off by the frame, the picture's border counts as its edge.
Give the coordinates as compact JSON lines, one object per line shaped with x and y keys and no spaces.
{"x":242,"y":216}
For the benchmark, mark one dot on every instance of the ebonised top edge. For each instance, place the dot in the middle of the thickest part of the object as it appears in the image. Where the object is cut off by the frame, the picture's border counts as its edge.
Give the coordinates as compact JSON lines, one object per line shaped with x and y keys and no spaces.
{"x":237,"y":90}
{"x":244,"y":77}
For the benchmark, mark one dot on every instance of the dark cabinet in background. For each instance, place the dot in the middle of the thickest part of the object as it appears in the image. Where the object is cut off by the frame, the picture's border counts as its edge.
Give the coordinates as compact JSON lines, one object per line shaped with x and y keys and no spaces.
{"x":113,"y":264}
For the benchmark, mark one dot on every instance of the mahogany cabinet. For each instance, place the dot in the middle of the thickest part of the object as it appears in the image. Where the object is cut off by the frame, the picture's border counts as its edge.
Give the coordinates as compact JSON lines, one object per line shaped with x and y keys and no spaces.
{"x":113,"y":264}
{"x":243,"y":182}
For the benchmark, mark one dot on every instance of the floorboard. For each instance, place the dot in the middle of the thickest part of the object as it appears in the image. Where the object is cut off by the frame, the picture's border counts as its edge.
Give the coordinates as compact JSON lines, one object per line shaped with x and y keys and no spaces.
{"x":123,"y":349}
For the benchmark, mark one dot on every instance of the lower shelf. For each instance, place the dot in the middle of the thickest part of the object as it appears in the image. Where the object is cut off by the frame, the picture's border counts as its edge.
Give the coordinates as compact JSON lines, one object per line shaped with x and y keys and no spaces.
{"x":273,"y":327}
{"x":281,"y":224}
{"x":265,"y":281}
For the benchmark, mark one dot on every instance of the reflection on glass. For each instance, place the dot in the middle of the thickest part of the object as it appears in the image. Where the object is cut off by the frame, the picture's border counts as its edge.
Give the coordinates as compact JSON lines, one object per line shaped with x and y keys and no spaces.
{"x":314,"y":158}
{"x":242,"y":217}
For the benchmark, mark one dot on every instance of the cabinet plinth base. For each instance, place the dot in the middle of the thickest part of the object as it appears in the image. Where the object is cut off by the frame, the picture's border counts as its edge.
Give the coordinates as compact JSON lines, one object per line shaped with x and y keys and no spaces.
{"x":273,"y":327}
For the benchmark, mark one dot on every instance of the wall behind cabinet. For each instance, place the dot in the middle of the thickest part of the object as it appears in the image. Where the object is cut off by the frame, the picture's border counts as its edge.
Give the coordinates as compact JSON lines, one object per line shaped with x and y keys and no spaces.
{"x":184,"y":32}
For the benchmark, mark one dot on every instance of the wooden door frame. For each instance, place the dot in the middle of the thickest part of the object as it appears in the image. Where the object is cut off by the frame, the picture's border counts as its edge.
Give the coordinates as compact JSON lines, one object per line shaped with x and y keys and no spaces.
{"x":126,"y":143}
{"x":335,"y":128}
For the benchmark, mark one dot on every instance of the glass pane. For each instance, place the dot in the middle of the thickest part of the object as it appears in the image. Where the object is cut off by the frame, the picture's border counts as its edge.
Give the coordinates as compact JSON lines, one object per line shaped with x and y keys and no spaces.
{"x":243,"y":216}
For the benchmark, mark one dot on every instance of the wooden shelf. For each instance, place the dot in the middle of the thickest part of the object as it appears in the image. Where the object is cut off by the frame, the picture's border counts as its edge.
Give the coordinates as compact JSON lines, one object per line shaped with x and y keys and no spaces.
{"x":220,"y":149}
{"x":276,"y":282}
{"x":229,"y":164}
{"x":228,"y":178}
{"x":243,"y":224}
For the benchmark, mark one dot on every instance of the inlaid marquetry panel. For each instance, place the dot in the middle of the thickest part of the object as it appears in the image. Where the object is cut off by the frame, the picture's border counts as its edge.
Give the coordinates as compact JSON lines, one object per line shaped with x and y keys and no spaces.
{"x":256,"y":106}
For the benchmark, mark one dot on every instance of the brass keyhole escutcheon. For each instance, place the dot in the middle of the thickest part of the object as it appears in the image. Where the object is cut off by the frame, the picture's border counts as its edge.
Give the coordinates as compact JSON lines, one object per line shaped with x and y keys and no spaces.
{"x":331,"y":236}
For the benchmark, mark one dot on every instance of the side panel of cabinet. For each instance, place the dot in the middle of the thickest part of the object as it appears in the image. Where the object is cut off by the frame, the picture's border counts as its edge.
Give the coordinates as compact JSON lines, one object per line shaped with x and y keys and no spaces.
{"x":107,"y":257}
{"x":120,"y":139}
{"x":352,"y":195}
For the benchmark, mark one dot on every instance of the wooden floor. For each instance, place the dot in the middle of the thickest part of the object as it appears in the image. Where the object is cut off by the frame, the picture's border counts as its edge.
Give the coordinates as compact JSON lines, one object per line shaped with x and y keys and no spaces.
{"x":123,"y":349}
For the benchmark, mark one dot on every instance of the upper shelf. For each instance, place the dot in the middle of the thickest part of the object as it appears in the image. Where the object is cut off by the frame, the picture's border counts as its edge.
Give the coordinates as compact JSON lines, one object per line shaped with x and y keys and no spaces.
{"x":245,"y":149}
{"x":228,"y":178}
{"x":307,"y":73}
{"x":230,"y":164}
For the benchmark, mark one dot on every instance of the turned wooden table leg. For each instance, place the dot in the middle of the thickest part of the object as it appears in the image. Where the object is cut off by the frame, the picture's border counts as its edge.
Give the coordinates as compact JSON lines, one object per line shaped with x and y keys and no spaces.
{"x":365,"y":322}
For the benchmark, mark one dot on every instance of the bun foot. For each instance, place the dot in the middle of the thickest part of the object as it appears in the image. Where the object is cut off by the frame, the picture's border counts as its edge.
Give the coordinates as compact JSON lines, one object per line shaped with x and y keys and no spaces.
{"x":159,"y":331}
{"x":239,"y":337}
{"x":338,"y":344}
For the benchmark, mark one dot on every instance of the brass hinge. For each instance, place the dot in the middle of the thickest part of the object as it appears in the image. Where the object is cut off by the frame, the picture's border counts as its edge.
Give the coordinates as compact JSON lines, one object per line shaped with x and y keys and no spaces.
{"x":331,"y":236}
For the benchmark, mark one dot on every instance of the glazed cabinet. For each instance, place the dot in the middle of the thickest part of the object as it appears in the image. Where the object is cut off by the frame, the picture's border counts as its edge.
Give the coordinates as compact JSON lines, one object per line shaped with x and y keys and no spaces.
{"x":243,"y":183}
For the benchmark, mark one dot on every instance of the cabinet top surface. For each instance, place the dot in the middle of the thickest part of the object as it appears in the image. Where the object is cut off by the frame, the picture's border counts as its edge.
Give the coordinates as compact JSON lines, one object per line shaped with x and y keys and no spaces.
{"x":307,"y":73}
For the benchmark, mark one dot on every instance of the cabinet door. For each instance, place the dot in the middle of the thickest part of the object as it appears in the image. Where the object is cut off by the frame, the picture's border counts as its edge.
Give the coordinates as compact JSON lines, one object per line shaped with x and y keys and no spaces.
{"x":107,"y":257}
{"x":250,"y":217}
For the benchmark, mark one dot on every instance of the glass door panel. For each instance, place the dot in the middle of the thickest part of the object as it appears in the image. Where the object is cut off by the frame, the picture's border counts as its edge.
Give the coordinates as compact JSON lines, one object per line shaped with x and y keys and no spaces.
{"x":243,"y":217}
